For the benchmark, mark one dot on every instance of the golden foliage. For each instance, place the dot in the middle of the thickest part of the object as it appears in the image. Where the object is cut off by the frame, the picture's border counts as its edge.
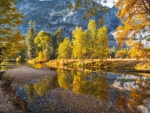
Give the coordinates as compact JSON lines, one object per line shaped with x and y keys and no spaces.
{"x":65,"y":49}
{"x":43,"y":42}
{"x":121,"y":54}
{"x":10,"y":38}
{"x":134,"y":15}
{"x":79,"y":43}
{"x":137,"y":50}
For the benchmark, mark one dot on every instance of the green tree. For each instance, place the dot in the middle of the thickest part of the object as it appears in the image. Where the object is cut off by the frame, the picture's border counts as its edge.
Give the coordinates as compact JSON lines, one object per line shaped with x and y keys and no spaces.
{"x":112,"y":52}
{"x":57,"y":39}
{"x":43,"y":41}
{"x":31,"y":34}
{"x":10,"y":37}
{"x":65,"y":49}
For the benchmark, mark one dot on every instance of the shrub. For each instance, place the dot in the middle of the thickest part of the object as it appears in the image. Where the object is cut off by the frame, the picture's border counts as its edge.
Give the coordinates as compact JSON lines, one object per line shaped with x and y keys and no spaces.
{"x":18,"y":59}
{"x":121,"y":54}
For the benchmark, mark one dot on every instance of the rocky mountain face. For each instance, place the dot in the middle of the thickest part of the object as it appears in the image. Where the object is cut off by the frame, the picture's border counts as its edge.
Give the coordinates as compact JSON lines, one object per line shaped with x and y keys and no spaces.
{"x":49,"y":15}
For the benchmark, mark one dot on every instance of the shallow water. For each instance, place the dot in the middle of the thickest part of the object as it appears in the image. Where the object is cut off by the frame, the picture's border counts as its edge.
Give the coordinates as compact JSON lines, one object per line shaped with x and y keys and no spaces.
{"x":86,"y":92}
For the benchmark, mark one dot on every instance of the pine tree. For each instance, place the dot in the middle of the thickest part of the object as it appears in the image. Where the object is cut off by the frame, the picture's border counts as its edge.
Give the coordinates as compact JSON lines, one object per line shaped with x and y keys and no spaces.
{"x":31,"y":34}
{"x":57,"y":39}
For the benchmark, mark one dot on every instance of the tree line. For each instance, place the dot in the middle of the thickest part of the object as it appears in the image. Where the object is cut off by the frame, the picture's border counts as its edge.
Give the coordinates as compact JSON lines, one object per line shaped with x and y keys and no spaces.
{"x":89,"y":43}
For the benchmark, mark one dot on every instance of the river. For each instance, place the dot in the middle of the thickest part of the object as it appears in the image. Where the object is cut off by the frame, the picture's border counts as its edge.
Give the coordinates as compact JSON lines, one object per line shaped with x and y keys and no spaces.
{"x":73,"y":91}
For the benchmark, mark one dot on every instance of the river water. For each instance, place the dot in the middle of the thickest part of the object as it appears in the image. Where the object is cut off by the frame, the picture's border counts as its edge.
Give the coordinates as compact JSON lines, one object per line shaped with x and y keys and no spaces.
{"x":73,"y":91}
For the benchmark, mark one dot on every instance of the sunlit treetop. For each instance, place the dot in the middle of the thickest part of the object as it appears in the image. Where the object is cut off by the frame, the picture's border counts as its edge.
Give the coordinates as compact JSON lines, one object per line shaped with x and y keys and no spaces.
{"x":134,"y":14}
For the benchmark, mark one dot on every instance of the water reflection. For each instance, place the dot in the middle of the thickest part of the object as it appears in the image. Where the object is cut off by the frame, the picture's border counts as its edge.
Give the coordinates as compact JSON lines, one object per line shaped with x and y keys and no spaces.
{"x":7,"y":65}
{"x":73,"y":91}
{"x":38,"y":65}
{"x":65,"y":78}
{"x":56,"y":92}
{"x":94,"y":84}
{"x":139,"y":98}
{"x":42,"y":87}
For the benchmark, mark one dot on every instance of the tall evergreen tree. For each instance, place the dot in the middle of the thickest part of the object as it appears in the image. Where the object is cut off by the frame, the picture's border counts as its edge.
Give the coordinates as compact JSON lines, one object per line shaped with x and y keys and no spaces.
{"x":57,"y":39}
{"x":31,"y":34}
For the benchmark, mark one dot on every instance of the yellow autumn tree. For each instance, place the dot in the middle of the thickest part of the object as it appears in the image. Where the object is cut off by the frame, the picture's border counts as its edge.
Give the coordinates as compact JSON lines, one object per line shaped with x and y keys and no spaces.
{"x":79,"y":43}
{"x":102,"y":45}
{"x":91,"y":35}
{"x":43,"y":41}
{"x":14,"y":45}
{"x":134,"y":15}
{"x":65,"y":49}
{"x":10,"y":37}
{"x":137,"y":50}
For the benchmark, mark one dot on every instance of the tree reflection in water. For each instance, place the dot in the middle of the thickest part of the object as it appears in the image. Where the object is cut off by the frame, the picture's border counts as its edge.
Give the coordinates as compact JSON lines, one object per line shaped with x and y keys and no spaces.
{"x":94,"y":84}
{"x":42,"y":87}
{"x":65,"y":78}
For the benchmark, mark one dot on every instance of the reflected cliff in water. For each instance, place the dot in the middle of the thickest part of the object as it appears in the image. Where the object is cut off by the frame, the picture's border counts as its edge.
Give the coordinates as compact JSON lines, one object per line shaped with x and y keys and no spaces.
{"x":139,"y":98}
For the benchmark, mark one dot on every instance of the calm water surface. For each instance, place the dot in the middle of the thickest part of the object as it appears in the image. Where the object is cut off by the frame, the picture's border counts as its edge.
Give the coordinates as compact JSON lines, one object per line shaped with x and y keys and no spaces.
{"x":86,"y":92}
